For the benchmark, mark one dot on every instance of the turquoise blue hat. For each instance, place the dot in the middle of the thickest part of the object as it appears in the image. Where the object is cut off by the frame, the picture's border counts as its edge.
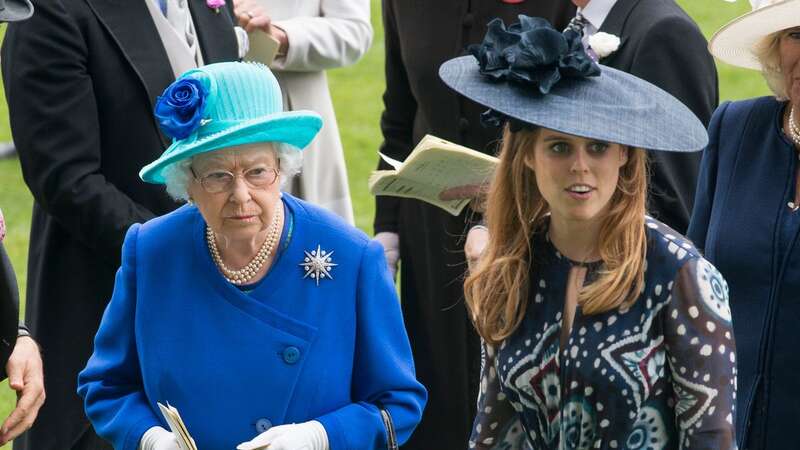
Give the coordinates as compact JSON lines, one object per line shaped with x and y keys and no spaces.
{"x":224,"y":105}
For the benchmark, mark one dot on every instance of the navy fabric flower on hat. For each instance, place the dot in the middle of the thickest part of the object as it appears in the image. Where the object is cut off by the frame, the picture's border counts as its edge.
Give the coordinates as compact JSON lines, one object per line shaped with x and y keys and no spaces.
{"x":179,"y":110}
{"x":532,"y":52}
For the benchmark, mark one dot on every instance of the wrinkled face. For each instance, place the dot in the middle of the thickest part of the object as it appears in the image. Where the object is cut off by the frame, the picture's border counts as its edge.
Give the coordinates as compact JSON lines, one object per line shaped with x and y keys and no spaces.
{"x":576,"y":176}
{"x":246,"y":202}
{"x":789,"y":49}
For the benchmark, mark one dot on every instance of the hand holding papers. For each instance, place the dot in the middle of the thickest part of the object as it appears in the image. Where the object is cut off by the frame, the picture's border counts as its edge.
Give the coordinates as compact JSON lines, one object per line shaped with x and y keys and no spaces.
{"x":436,"y":166}
{"x":255,"y":16}
{"x":176,"y":425}
{"x":185,"y":441}
{"x":263,"y":47}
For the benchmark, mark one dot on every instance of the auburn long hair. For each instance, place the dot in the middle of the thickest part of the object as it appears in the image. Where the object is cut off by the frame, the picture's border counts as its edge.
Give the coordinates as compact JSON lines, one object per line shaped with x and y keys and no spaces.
{"x":497,"y":289}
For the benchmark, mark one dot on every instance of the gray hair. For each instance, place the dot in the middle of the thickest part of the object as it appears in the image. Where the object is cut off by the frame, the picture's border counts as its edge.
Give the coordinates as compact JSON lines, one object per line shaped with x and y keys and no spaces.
{"x":178,"y":174}
{"x":767,"y":52}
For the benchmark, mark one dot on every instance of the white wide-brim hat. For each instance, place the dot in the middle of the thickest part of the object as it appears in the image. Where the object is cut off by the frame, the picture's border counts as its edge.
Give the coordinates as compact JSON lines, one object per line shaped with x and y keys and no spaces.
{"x":735,"y":42}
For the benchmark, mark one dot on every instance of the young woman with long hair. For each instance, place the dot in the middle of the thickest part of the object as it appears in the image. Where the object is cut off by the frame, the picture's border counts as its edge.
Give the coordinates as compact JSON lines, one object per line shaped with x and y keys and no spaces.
{"x":602,"y":328}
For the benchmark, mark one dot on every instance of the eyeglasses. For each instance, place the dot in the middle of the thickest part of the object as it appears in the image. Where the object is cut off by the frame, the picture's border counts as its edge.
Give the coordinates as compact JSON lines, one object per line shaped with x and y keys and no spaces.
{"x":218,"y":181}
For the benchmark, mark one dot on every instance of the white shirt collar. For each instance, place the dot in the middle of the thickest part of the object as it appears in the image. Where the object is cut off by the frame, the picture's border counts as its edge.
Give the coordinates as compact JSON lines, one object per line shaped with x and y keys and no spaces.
{"x":596,"y":12}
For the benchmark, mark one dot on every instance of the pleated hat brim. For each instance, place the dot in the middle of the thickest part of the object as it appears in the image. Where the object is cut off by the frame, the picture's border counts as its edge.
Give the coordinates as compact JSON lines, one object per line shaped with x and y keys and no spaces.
{"x":735,"y":42}
{"x":614,"y":107}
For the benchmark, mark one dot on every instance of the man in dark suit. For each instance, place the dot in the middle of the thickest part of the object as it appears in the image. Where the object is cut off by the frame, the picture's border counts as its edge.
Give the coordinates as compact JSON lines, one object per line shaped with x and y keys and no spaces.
{"x":420,"y":36}
{"x":661,"y":44}
{"x":81,"y":78}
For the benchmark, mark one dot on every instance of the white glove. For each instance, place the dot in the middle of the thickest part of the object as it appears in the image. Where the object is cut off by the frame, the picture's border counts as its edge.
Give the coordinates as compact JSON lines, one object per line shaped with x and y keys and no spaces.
{"x":391,"y":248}
{"x":157,"y":438}
{"x":302,"y":436}
{"x":477,"y":239}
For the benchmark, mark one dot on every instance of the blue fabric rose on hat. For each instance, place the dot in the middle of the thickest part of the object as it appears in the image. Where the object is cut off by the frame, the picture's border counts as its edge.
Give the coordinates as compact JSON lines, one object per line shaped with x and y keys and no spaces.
{"x":179,"y":110}
{"x":532,"y":52}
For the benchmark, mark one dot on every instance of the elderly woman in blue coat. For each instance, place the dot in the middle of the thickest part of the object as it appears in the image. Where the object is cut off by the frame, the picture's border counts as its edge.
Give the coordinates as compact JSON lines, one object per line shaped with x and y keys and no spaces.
{"x":746,"y":218}
{"x":266,"y":321}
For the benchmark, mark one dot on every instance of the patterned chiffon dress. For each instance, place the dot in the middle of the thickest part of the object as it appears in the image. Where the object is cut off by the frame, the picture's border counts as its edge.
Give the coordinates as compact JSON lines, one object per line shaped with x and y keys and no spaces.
{"x":659,"y":375}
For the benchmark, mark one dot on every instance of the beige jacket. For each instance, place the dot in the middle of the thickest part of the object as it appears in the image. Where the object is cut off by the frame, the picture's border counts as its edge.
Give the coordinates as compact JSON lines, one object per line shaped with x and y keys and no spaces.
{"x":323,"y":34}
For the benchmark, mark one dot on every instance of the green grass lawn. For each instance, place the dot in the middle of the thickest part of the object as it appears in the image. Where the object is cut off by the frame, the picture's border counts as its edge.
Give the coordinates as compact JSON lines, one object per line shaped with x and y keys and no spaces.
{"x":357,"y":96}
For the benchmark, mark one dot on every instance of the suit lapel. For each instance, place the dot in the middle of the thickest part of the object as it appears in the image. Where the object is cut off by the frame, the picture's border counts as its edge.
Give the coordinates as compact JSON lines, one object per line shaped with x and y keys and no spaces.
{"x":215,"y":32}
{"x":617,"y":17}
{"x":130,"y":25}
{"x":615,"y":24}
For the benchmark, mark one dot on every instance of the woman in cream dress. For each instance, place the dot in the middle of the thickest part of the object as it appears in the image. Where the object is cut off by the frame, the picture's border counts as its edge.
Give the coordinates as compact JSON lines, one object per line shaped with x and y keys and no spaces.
{"x":314,"y":35}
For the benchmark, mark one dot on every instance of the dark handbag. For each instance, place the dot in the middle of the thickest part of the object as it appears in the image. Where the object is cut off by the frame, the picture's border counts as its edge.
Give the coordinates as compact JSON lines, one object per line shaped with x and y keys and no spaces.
{"x":391,"y":436}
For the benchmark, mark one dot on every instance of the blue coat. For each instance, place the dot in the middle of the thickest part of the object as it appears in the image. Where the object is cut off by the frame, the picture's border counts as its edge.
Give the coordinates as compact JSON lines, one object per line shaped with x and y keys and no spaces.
{"x":235,"y":364}
{"x":742,"y":221}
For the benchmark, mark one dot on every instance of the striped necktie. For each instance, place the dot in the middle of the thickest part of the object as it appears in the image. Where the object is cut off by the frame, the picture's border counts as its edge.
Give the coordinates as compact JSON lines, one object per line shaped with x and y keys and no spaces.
{"x":577,"y":24}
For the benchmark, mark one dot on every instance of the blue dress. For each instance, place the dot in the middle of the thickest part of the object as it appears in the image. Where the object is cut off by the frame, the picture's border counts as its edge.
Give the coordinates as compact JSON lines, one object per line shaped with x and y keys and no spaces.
{"x":659,"y":375}
{"x":742,"y":223}
{"x":233,"y":363}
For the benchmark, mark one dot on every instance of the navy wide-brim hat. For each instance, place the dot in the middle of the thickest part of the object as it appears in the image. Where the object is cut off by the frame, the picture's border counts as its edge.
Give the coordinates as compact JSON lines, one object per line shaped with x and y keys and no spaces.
{"x":15,"y":10}
{"x":592,"y":102}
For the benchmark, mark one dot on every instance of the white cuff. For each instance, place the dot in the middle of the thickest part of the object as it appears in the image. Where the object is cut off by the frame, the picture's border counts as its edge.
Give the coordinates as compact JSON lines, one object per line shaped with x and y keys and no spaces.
{"x":152,"y":436}
{"x":320,"y":438}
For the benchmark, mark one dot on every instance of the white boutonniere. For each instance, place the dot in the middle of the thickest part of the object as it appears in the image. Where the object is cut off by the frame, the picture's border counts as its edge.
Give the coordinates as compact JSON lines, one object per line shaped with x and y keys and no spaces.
{"x":604,"y":44}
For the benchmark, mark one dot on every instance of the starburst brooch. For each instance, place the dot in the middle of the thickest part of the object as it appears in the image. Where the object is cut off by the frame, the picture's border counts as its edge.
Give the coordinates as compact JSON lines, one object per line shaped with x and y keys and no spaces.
{"x":318,"y":264}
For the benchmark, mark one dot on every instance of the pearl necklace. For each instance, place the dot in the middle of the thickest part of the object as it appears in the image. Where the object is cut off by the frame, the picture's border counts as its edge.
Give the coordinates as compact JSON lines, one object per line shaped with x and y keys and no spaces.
{"x":794,"y":133}
{"x":249,"y":271}
{"x":794,"y":130}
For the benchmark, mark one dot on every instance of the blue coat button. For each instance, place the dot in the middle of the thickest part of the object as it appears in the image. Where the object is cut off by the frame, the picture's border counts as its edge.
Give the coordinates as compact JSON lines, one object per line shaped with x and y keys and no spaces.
{"x":263,"y":425}
{"x":291,"y":355}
